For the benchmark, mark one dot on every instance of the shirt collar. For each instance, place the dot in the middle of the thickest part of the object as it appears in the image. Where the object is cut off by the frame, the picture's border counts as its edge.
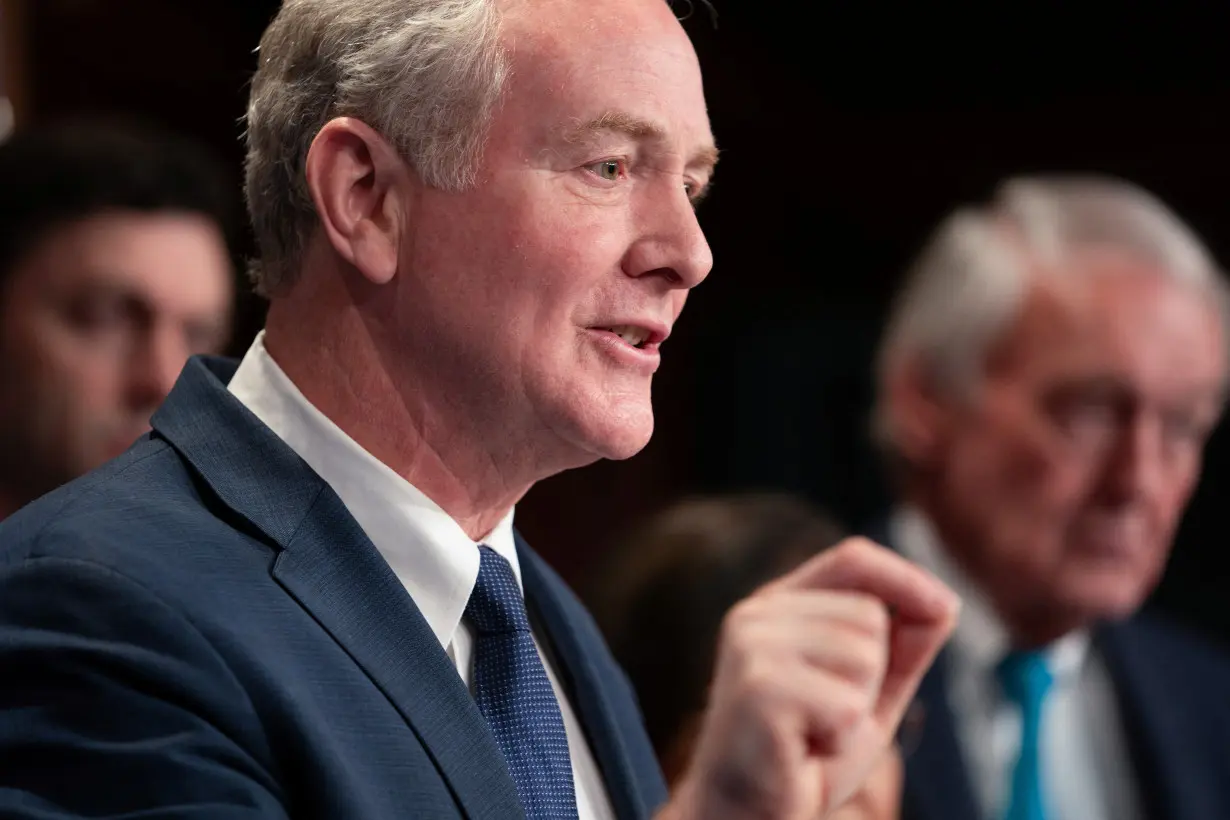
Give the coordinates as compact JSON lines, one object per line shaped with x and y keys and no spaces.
{"x":429,"y":552}
{"x":980,"y":639}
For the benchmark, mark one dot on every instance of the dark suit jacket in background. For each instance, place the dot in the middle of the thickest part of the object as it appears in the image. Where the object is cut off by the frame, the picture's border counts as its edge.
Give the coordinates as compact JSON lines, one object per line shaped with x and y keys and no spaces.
{"x":1173,"y":691}
{"x":201,"y":630}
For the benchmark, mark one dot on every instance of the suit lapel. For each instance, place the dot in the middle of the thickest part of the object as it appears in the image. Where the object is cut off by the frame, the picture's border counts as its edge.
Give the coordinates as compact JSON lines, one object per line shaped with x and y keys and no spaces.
{"x":562,"y":620}
{"x":335,"y":573}
{"x":329,"y":566}
{"x":937,"y":783}
{"x":1161,"y":731}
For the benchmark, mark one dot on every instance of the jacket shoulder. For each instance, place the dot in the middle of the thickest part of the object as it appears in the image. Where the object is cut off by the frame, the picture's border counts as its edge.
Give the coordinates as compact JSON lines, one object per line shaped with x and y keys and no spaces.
{"x":143,"y":515}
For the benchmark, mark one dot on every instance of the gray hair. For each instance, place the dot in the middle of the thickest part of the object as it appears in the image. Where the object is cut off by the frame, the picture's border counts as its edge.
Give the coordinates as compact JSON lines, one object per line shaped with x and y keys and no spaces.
{"x":971,"y":280}
{"x":426,"y":74}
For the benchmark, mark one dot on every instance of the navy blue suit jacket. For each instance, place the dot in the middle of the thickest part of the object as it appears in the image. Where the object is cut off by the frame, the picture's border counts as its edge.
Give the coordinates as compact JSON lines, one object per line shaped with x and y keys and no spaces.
{"x":1173,"y":689}
{"x":201,"y":630}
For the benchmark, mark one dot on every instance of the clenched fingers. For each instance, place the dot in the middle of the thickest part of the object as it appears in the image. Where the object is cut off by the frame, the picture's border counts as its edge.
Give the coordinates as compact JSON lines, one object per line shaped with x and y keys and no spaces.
{"x":841,"y":633}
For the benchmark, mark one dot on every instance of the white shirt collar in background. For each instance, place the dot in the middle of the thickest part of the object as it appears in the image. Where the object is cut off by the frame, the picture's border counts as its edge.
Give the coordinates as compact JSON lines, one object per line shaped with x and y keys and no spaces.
{"x":980,"y":639}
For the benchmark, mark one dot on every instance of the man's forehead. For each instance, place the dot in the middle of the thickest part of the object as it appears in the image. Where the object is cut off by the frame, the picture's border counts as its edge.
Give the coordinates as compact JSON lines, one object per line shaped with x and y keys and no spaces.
{"x":160,"y":257}
{"x":608,"y":38}
{"x":522,"y":17}
{"x":1081,"y":319}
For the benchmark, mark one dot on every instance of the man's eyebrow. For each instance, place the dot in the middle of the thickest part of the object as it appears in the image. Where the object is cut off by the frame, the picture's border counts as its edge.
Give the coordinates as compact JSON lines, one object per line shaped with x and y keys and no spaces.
{"x":618,"y":121}
{"x":621,"y":122}
{"x":706,"y":158}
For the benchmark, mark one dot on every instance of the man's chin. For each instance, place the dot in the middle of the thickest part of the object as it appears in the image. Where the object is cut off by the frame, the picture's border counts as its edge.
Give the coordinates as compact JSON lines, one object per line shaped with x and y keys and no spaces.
{"x":616,"y":439}
{"x":1107,"y":601}
{"x":120,"y":444}
{"x":631,"y":433}
{"x":626,"y":449}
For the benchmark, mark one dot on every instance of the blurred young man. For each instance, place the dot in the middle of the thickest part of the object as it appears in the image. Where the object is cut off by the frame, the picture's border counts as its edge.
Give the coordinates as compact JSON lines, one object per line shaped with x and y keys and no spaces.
{"x":114,"y":269}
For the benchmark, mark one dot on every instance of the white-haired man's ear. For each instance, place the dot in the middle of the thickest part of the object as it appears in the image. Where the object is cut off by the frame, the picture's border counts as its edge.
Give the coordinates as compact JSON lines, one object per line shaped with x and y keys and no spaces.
{"x":916,"y":413}
{"x":361,"y":189}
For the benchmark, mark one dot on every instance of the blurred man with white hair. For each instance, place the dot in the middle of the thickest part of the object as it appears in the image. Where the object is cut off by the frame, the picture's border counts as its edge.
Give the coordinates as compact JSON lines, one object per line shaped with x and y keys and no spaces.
{"x":1047,"y":382}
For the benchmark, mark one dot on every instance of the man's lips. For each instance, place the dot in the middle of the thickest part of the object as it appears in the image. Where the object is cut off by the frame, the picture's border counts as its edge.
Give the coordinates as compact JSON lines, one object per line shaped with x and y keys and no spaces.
{"x":639,"y":334}
{"x":631,"y":346}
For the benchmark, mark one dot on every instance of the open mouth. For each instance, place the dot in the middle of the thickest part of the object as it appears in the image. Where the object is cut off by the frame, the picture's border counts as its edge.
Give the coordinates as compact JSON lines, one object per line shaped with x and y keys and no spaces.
{"x":636,"y":336}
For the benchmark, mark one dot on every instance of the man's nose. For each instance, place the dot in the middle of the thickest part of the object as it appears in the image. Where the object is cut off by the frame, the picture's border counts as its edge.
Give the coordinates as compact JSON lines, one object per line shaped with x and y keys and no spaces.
{"x":672,"y":244}
{"x":1136,"y":468}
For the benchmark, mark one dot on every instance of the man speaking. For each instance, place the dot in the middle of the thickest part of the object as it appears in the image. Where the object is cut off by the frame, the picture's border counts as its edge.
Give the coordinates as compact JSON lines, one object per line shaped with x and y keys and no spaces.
{"x":302,"y":595}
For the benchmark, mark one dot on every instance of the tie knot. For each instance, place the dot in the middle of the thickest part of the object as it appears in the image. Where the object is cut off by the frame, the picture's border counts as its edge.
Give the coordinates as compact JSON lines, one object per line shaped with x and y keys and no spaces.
{"x":1025,"y":677}
{"x":496,"y":605}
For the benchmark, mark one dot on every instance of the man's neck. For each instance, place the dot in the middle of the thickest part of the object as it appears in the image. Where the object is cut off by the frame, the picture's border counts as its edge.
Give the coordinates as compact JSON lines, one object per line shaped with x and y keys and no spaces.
{"x":333,"y":361}
{"x":1028,"y":626}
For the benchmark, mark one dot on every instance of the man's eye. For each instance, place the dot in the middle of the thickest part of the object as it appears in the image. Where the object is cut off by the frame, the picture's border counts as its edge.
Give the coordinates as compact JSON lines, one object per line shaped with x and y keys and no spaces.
{"x":91,"y":314}
{"x":608,"y":169}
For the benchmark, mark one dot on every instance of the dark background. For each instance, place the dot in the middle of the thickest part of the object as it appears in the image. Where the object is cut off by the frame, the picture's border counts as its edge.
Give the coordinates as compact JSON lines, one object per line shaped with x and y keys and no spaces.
{"x":847,"y":132}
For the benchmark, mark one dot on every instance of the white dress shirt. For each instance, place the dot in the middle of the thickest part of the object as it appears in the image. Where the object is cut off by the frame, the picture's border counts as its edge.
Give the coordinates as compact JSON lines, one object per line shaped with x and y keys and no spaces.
{"x":431,"y":555}
{"x":1086,"y":771}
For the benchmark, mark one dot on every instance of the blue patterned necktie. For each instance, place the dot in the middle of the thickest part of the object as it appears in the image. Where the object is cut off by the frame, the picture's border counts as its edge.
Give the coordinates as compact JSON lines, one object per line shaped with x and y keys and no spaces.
{"x":1026,"y":680}
{"x":514,"y":694}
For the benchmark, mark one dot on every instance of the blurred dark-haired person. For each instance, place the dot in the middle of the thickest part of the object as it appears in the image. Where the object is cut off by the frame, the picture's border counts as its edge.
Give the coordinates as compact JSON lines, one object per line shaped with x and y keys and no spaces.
{"x":661,"y":596}
{"x":1047,"y":383}
{"x":114,"y":269}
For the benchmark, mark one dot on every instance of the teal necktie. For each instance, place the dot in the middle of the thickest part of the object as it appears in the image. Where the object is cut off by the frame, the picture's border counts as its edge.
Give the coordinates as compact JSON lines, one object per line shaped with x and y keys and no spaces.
{"x":1026,"y":680}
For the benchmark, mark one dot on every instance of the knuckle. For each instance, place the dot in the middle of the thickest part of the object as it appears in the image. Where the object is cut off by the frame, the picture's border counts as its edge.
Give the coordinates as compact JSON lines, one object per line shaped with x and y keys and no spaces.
{"x":863,"y":669}
{"x":857,"y":545}
{"x":738,"y":621}
{"x":745,"y":610}
{"x":732,"y":621}
{"x":846,"y":548}
{"x":760,"y":679}
{"x":849,"y":711}
{"x":866,"y":667}
{"x":838,"y":722}
{"x":873,"y":614}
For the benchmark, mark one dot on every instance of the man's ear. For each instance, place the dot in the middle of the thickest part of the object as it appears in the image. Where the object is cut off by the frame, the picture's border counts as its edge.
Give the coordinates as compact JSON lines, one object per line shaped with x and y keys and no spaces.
{"x":918,"y":412}
{"x":361,"y":189}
